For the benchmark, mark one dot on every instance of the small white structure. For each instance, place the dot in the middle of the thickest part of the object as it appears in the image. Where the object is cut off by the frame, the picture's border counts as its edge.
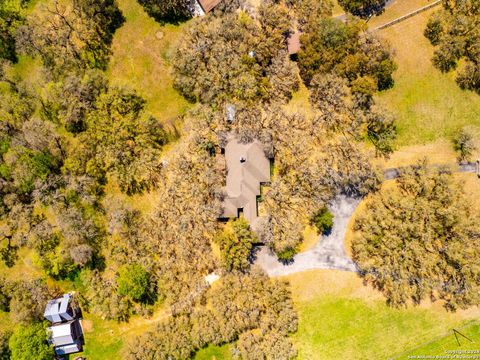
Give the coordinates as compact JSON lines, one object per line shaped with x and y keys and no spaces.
{"x":231,"y":112}
{"x":67,"y":337}
{"x":59,"y":310}
{"x":211,"y":278}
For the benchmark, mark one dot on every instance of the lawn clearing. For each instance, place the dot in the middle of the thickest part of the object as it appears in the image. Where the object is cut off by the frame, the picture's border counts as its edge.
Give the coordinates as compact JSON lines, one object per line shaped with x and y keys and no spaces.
{"x":429,"y":104}
{"x":24,"y":267}
{"x":463,"y":339}
{"x":397,"y":9}
{"x":215,"y":353}
{"x":340,"y":318}
{"x":141,"y":51}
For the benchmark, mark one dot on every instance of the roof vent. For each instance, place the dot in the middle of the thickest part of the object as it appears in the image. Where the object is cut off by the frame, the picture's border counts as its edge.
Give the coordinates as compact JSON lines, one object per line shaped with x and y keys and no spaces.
{"x":243,"y":159}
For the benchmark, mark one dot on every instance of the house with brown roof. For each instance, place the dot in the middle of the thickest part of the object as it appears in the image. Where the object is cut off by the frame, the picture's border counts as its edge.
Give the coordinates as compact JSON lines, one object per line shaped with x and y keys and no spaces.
{"x":247,"y":169}
{"x":204,"y":6}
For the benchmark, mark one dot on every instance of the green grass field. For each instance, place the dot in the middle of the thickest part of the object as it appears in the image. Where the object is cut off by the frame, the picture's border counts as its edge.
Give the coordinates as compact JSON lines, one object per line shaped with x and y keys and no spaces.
{"x":429,"y":104}
{"x":215,"y":353}
{"x":340,"y":318}
{"x":141,"y":52}
{"x":459,"y":342}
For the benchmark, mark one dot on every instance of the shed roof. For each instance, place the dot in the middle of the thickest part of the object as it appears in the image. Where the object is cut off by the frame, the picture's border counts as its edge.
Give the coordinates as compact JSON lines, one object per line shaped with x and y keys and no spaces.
{"x":208,"y":5}
{"x":57,"y":310}
{"x":68,"y":349}
{"x":293,"y":43}
{"x":62,"y":334}
{"x":247,"y":168}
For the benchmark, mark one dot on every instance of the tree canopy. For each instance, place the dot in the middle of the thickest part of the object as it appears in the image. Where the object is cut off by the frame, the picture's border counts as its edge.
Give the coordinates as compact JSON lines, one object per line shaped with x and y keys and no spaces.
{"x":235,"y":56}
{"x":455,"y":33}
{"x":236,"y":242}
{"x":72,"y":35}
{"x":133,"y":281}
{"x":121,"y":141}
{"x":11,"y":17}
{"x":28,"y":340}
{"x":245,"y":307}
{"x":347,"y":51}
{"x":419,"y":239}
{"x":363,"y":8}
{"x":171,"y":11}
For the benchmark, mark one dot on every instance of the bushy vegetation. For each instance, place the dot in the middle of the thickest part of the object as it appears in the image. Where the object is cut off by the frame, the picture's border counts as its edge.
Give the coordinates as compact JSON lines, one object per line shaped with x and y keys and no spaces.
{"x":345,"y":49}
{"x":129,"y":152}
{"x":363,"y":8}
{"x":12,"y":15}
{"x":323,"y":220}
{"x":28,"y":341}
{"x":71,"y":36}
{"x":251,"y":308}
{"x":464,"y":144}
{"x":310,"y":12}
{"x":5,"y":353}
{"x":236,"y":242}
{"x":169,"y":10}
{"x":133,"y":281}
{"x":454,"y":31}
{"x":419,"y":240}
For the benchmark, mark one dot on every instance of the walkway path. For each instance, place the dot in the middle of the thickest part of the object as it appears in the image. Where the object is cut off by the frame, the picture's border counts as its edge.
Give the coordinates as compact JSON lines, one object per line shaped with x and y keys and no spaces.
{"x":329,"y":252}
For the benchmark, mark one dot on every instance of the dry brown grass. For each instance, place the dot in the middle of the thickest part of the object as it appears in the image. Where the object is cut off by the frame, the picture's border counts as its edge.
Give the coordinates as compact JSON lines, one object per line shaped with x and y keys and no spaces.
{"x":310,"y":238}
{"x":438,"y":152}
{"x":397,"y":9}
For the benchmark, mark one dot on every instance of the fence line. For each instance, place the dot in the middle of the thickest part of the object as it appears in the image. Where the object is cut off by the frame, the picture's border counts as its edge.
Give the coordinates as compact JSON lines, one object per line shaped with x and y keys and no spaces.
{"x":437,"y":338}
{"x":409,"y":15}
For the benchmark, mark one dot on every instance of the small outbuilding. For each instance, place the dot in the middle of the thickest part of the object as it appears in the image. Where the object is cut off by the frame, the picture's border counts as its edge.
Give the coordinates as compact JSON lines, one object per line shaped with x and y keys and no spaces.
{"x":67,"y":338}
{"x":59,"y":310}
{"x":203,"y":7}
{"x":293,"y":44}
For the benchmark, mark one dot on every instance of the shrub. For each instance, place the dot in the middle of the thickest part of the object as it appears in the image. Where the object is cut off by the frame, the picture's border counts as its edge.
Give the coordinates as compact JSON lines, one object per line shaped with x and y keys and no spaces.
{"x":133,"y":281}
{"x":5,"y":353}
{"x":464,"y":144}
{"x":323,"y":220}
{"x":363,"y":8}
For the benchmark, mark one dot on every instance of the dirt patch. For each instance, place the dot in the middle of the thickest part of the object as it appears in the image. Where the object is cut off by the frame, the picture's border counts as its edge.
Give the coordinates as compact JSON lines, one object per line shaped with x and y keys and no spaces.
{"x":87,"y":326}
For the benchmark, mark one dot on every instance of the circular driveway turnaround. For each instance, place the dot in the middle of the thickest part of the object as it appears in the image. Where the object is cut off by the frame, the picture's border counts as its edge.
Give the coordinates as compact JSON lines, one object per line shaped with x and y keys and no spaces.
{"x":328,"y":253}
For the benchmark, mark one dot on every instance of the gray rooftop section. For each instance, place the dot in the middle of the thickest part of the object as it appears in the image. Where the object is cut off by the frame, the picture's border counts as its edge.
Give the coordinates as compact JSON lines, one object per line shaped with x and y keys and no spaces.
{"x":247,"y":168}
{"x":57,"y":310}
{"x":66,"y":337}
{"x":68,"y":349}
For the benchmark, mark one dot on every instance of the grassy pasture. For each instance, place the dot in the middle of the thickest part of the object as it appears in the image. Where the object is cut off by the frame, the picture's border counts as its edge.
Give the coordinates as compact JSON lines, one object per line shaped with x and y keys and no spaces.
{"x":215,"y":353}
{"x":467,"y":338}
{"x":141,"y":54}
{"x":340,"y":318}
{"x":429,"y":104}
{"x":397,"y":9}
